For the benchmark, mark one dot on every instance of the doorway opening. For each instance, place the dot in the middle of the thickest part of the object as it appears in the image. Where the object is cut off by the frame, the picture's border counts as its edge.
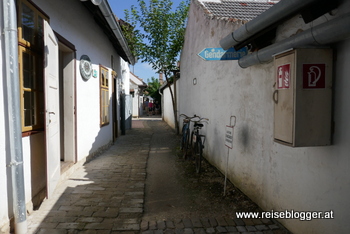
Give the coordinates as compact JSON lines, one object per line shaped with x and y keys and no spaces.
{"x":67,"y":105}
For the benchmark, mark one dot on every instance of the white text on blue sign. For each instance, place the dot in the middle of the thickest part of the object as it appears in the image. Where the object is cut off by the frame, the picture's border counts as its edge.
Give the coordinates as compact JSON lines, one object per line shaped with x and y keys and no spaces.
{"x":221,"y":54}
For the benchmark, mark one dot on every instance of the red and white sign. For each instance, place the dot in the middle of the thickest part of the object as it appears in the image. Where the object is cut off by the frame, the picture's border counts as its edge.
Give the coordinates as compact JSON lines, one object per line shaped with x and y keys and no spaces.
{"x":283,"y":76}
{"x":314,"y":76}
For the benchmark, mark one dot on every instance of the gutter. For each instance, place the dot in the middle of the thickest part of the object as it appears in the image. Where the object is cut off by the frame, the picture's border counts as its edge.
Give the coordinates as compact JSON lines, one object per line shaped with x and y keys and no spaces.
{"x":14,"y":116}
{"x":113,"y":24}
{"x":330,"y":32}
{"x":275,"y":14}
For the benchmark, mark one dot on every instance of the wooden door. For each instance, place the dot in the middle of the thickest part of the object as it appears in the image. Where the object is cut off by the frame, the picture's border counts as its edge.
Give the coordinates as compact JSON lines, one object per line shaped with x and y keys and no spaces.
{"x":51,"y":71}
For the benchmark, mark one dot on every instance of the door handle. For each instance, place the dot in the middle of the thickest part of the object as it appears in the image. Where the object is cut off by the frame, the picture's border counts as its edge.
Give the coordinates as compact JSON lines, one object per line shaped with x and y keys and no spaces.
{"x":51,"y":113}
{"x":275,"y":96}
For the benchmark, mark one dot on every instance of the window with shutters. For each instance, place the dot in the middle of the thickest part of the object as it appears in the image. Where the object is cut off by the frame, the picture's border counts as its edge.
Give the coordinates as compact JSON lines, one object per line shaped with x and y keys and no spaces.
{"x":104,"y":96}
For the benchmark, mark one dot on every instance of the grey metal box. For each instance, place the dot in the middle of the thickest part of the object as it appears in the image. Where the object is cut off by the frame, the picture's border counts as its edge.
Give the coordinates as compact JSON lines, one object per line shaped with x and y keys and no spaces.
{"x":303,"y":97}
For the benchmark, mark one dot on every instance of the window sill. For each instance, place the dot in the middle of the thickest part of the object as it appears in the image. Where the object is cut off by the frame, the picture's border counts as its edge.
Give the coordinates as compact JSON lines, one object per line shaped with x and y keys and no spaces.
{"x":103,"y":125}
{"x":29,"y":133}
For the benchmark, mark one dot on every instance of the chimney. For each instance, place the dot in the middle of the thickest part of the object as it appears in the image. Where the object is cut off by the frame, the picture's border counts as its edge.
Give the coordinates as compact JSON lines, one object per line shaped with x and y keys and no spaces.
{"x":161,"y":81}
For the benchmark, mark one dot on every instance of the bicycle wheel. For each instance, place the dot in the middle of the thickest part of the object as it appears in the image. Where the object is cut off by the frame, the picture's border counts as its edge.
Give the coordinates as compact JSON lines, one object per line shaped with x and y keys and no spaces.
{"x":183,"y":140}
{"x":198,"y":153}
{"x":186,"y":144}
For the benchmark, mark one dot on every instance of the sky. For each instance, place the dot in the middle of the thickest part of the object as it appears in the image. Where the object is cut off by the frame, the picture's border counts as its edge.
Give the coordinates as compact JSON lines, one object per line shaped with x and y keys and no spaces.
{"x":142,"y":70}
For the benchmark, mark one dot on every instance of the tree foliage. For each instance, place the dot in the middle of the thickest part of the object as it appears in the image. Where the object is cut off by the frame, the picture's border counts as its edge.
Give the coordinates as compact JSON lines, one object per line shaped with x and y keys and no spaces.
{"x":158,"y":33}
{"x":158,"y":36}
{"x":153,"y":89}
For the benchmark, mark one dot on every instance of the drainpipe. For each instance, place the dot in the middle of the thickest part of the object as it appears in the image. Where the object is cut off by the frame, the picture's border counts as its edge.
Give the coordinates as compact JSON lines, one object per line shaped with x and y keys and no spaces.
{"x":14,"y":116}
{"x":109,"y":16}
{"x":273,"y":15}
{"x":330,"y":32}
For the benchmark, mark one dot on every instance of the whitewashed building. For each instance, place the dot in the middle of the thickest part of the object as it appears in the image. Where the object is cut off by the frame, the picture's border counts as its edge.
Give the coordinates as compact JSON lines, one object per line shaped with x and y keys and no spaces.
{"x":73,"y":65}
{"x":289,"y":153}
{"x":137,"y":85}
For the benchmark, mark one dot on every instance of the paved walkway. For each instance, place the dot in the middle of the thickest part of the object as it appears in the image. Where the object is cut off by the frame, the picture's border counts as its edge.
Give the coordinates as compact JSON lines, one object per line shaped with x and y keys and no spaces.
{"x":107,"y":195}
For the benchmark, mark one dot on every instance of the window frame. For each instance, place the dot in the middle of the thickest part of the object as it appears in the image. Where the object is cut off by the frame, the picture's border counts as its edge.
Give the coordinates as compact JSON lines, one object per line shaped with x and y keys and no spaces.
{"x":37,"y":11}
{"x":104,"y":96}
{"x":36,"y":50}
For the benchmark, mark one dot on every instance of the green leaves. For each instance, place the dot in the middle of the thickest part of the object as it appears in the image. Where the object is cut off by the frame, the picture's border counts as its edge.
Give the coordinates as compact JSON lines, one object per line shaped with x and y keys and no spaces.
{"x":161,"y":35}
{"x":152,"y":89}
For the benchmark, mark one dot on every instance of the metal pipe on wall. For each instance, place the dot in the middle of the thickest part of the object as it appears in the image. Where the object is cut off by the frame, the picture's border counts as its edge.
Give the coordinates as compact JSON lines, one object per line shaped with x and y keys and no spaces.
{"x":14,"y":115}
{"x":273,"y":15}
{"x":330,"y":32}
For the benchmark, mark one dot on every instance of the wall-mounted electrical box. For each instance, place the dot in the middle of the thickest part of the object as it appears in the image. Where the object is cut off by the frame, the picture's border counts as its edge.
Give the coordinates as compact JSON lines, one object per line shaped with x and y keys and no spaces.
{"x":303,"y":97}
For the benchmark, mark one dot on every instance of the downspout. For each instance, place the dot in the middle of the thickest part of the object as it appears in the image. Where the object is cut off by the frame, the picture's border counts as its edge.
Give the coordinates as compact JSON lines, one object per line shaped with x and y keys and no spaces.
{"x":14,"y":116}
{"x":330,"y":32}
{"x":275,"y":14}
{"x":109,"y":16}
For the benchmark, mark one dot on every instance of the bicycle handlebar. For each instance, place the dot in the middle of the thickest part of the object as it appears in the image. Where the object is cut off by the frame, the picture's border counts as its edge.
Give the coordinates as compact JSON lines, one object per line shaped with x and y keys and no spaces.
{"x":188,"y":117}
{"x":195,"y":116}
{"x":200,"y":119}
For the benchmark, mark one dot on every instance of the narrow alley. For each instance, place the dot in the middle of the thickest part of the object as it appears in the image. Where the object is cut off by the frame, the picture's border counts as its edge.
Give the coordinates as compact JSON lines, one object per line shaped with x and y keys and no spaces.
{"x":140,"y":185}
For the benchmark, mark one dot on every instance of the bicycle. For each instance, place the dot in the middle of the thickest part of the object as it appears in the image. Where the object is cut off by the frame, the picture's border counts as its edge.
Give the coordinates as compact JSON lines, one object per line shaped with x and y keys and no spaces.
{"x":185,"y":140}
{"x":196,"y":142}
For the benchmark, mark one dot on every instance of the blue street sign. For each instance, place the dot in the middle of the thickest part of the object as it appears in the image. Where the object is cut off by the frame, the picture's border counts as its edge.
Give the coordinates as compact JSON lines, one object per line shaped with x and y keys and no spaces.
{"x":221,"y":54}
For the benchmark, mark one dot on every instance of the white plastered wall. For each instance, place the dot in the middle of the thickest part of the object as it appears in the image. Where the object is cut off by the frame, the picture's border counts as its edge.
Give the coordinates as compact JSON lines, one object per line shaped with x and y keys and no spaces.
{"x":167,"y":107}
{"x":67,"y":18}
{"x":71,"y":20}
{"x":275,"y":176}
